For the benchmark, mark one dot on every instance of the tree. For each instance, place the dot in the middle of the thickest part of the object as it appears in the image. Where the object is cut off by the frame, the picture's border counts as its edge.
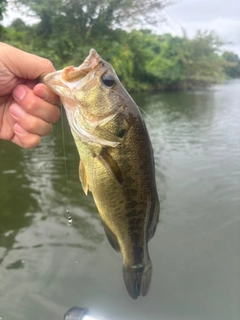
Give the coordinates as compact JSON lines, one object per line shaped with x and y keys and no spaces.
{"x":19,"y":25}
{"x":232,"y":64}
{"x":143,"y":60}
{"x":68,"y":28}
{"x":3,"y":6}
{"x":167,"y":66}
{"x":204,"y":65}
{"x":92,"y":14}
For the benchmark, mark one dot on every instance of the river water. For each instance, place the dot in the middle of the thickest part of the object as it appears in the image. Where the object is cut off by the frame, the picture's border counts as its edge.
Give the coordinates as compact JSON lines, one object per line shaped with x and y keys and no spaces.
{"x":48,"y":266}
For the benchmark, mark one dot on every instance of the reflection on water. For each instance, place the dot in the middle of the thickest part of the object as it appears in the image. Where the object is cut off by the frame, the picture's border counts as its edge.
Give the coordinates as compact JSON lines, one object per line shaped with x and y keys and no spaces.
{"x":47,"y":265}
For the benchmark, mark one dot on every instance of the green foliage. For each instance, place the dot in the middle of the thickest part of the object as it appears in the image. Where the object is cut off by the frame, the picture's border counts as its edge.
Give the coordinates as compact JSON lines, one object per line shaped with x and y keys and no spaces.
{"x":3,"y":6}
{"x":122,"y":61}
{"x":232,"y":64}
{"x":92,"y":14}
{"x":17,"y":35}
{"x":183,"y":62}
{"x":203,"y":62}
{"x":142,"y":60}
{"x":166,"y":66}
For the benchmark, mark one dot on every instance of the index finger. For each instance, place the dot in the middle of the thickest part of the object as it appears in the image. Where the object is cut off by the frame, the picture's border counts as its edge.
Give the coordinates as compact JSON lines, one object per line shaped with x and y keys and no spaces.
{"x":42,"y":91}
{"x":25,"y":65}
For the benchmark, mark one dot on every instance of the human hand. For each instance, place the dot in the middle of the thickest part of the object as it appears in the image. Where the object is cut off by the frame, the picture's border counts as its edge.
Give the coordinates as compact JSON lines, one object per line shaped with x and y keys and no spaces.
{"x":27,"y":108}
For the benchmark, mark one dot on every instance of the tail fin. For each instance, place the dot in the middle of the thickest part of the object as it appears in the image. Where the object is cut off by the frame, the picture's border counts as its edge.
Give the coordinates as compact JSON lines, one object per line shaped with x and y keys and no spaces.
{"x":138,"y":278}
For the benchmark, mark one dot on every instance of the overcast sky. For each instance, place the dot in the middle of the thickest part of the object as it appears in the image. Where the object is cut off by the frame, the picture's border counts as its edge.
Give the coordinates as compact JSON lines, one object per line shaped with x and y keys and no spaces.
{"x":220,"y":16}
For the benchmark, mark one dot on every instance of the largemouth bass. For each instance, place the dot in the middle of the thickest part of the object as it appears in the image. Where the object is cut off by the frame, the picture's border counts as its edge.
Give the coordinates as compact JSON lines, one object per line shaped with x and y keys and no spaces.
{"x":116,"y":161}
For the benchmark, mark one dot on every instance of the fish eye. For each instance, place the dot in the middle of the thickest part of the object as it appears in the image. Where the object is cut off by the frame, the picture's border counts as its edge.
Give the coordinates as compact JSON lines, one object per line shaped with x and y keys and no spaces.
{"x":108,"y":79}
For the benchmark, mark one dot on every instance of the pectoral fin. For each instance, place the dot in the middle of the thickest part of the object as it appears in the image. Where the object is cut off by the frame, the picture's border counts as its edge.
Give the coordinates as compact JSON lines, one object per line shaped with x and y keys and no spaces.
{"x":106,"y":135}
{"x":83,"y":177}
{"x":111,"y":165}
{"x":111,"y":237}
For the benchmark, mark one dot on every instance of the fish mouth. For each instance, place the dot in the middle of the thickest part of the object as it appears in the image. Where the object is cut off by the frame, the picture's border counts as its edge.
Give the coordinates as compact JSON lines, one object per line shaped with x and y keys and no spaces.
{"x":55,"y":82}
{"x":88,"y":64}
{"x":72,"y":74}
{"x":62,"y":81}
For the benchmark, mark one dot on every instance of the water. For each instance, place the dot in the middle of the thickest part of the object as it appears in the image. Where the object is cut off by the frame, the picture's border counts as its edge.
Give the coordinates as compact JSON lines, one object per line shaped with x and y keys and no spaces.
{"x":48,"y":266}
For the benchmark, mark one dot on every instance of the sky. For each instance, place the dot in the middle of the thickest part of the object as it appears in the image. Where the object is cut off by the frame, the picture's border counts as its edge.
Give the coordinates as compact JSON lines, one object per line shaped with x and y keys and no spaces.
{"x":220,"y":16}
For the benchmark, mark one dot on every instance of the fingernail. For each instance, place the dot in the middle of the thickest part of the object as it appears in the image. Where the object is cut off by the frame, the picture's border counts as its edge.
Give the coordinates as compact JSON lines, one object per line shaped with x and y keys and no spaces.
{"x":16,"y":111}
{"x":41,"y":90}
{"x":19,"y":92}
{"x":45,"y":94}
{"x":19,"y":130}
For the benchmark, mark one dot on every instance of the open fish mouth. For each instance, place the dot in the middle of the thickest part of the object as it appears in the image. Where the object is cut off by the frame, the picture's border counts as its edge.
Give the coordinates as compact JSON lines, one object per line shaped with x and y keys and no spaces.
{"x":67,"y":77}
{"x":73,"y":73}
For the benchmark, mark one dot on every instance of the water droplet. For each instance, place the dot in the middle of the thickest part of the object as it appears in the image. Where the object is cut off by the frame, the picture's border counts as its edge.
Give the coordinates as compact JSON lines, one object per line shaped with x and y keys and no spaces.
{"x":23,"y":261}
{"x":1,"y":318}
{"x":76,"y":261}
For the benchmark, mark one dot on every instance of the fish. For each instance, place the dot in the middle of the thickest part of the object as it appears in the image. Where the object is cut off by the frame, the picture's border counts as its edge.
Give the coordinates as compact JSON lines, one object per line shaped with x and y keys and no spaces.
{"x":116,"y":161}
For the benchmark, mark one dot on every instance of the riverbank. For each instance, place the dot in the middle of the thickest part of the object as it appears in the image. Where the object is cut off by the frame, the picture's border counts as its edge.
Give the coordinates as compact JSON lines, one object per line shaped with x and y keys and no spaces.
{"x":143,"y":61}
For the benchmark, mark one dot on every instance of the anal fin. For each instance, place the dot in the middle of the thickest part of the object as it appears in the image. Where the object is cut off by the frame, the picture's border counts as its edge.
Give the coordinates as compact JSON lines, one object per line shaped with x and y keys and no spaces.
{"x":111,"y":237}
{"x":153,"y":219}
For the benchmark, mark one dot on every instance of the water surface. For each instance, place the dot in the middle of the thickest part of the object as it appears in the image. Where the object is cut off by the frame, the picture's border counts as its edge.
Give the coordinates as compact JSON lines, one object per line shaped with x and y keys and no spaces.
{"x":48,"y":266}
